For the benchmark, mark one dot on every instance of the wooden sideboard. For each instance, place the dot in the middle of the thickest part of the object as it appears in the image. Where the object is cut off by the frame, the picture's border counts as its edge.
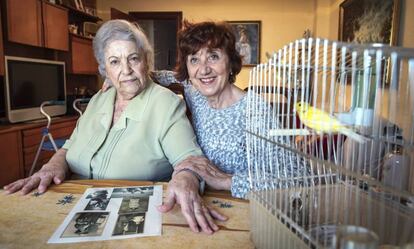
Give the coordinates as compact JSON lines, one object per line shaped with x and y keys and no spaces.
{"x":19,"y":142}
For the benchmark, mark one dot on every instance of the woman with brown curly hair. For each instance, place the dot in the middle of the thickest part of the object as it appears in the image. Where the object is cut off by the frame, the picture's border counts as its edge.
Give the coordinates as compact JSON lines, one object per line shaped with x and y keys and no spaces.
{"x":207,"y":66}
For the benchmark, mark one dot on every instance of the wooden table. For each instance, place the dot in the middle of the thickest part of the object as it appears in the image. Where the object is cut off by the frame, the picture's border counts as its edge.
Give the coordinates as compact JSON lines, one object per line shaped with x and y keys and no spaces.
{"x":29,"y":221}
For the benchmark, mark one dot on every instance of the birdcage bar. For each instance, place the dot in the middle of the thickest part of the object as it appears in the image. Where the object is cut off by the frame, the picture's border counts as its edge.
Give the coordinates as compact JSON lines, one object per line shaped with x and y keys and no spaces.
{"x":349,"y":187}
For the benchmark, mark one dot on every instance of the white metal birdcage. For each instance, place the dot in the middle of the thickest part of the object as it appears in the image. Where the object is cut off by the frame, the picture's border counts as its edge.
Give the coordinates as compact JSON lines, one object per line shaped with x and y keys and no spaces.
{"x":330,"y":140}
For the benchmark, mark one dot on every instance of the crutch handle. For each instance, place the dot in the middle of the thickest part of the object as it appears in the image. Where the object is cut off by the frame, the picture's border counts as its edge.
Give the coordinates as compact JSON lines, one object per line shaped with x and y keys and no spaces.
{"x":80,"y":100}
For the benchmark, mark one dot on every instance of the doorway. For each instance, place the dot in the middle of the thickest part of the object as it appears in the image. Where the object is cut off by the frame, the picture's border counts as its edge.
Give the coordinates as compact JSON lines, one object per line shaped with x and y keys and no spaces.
{"x":161,"y":29}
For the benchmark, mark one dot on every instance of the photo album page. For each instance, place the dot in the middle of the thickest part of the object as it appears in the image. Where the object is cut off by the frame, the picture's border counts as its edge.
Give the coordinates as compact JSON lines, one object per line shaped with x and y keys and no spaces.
{"x":112,"y":213}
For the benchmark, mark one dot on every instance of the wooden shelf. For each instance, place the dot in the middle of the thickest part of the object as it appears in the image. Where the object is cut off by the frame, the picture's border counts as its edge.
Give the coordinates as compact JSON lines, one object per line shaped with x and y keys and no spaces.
{"x":81,"y":15}
{"x":81,"y":36}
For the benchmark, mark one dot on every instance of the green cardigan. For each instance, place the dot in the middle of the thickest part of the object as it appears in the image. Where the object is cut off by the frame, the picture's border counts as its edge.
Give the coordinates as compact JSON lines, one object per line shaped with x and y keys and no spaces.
{"x":152,"y":135}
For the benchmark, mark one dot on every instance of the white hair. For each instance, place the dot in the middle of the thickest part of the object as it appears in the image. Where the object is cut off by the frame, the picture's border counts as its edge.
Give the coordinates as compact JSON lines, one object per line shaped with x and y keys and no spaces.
{"x":121,"y":30}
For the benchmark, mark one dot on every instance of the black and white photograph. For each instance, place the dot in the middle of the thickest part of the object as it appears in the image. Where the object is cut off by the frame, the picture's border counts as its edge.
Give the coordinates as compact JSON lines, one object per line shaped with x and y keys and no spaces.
{"x":131,"y":192}
{"x":112,"y":213}
{"x":98,"y":200}
{"x":128,"y":224}
{"x":86,"y":225}
{"x":97,"y":203}
{"x":101,"y":193}
{"x":130,"y":205}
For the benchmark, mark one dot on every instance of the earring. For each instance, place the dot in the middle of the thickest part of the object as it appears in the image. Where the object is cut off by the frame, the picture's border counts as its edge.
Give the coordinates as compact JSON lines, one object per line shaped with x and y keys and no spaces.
{"x":231,"y":73}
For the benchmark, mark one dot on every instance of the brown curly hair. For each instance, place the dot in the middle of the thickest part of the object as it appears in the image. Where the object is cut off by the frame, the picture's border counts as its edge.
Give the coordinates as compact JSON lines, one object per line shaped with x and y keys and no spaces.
{"x":195,"y":36}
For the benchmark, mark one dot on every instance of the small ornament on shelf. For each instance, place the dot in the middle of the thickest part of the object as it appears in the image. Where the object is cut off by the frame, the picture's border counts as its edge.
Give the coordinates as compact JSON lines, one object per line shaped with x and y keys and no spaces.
{"x":79,"y":5}
{"x":90,"y":11}
{"x":73,"y":29}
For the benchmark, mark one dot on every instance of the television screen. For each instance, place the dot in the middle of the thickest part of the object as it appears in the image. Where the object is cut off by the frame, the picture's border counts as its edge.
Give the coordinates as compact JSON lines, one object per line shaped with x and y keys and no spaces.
{"x":29,"y":82}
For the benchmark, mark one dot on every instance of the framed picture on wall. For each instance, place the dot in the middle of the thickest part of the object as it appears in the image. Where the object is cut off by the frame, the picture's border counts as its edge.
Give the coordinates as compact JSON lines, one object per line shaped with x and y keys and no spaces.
{"x":369,"y":21}
{"x":247,"y":40}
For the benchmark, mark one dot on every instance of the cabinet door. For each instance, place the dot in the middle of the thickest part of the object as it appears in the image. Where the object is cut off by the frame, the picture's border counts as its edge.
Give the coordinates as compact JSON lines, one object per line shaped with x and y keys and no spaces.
{"x":83,"y":60}
{"x":11,"y":166}
{"x":24,"y":23}
{"x":55,"y":24}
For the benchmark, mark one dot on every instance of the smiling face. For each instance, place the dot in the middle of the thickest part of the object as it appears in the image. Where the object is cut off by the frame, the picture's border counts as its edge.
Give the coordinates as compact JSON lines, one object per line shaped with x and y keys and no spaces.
{"x":208,"y":71}
{"x":126,"y":67}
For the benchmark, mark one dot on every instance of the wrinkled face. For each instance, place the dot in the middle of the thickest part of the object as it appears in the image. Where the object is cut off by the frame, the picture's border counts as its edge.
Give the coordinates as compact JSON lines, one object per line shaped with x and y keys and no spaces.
{"x":209,"y":70}
{"x":126,"y":67}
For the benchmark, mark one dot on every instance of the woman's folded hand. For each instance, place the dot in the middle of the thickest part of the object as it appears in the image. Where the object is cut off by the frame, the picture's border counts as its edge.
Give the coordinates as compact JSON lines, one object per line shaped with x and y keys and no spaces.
{"x":213,"y":176}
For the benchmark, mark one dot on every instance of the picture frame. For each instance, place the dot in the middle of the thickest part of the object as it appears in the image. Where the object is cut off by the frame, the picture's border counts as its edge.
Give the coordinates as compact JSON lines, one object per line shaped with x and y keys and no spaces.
{"x":369,"y":21}
{"x":248,"y":40}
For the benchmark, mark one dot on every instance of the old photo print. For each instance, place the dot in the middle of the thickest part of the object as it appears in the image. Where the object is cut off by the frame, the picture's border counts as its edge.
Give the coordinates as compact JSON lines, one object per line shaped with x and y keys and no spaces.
{"x":86,"y":224}
{"x":112,"y":214}
{"x":132,"y":192}
{"x":128,"y":224}
{"x":134,"y":205}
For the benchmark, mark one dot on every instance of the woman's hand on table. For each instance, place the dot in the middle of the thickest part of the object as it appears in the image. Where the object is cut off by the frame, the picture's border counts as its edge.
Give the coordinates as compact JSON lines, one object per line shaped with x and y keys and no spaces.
{"x":213,"y":176}
{"x":54,"y":171}
{"x":183,"y":190}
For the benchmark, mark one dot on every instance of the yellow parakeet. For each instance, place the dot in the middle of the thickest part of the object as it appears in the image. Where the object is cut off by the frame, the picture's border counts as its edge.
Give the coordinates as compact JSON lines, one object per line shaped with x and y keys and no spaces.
{"x":321,"y":121}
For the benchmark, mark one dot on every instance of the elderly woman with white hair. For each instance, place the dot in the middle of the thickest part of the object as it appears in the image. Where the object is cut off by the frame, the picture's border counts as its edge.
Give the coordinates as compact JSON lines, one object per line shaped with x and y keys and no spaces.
{"x":137,"y":130}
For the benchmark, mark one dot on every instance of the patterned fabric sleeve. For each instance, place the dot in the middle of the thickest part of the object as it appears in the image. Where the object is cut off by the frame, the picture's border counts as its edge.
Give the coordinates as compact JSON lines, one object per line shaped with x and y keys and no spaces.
{"x":289,"y":170}
{"x":164,"y":77}
{"x":240,"y":185}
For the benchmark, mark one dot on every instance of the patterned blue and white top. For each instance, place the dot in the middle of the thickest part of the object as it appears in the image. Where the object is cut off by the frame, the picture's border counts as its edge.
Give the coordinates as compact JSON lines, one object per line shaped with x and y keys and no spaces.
{"x":220,"y":132}
{"x":221,"y":136}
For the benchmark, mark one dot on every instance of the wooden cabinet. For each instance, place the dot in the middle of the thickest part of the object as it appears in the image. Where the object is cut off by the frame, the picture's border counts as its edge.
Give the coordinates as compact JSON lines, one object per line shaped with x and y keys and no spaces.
{"x":24,"y":22}
{"x":11,"y":162}
{"x":82,"y":58}
{"x":55,"y":23}
{"x":19,"y":144}
{"x":37,"y":23}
